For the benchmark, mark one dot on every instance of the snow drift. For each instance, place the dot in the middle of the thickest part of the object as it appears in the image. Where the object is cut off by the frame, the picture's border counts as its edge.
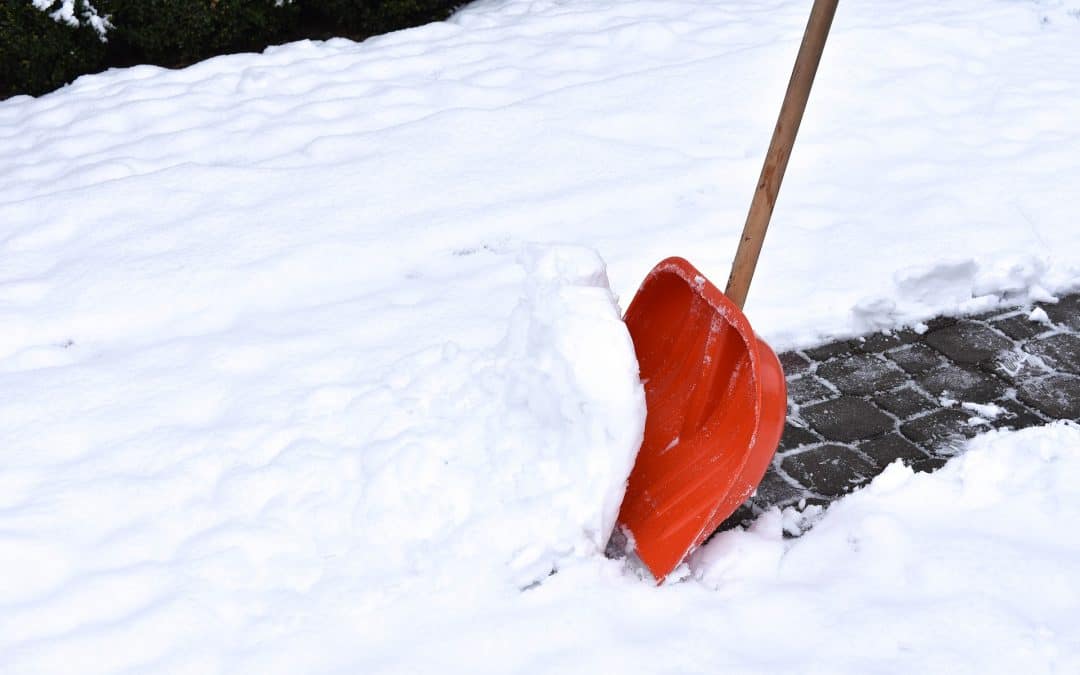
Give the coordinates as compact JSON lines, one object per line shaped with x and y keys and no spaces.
{"x":276,"y":395}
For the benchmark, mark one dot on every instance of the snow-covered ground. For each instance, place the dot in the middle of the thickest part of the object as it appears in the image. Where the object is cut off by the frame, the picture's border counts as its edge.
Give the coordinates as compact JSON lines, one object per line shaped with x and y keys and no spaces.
{"x":293,"y":378}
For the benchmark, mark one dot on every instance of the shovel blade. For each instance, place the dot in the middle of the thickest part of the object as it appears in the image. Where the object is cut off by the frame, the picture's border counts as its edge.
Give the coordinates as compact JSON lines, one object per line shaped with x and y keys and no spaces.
{"x":716,"y":402}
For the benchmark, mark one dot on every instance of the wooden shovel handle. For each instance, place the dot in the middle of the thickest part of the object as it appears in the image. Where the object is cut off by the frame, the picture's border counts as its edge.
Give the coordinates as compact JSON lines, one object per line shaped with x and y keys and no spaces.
{"x":772,"y":173}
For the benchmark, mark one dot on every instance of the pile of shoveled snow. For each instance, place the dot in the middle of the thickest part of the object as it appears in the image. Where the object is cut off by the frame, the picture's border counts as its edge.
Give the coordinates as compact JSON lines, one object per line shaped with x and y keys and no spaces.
{"x":194,"y":498}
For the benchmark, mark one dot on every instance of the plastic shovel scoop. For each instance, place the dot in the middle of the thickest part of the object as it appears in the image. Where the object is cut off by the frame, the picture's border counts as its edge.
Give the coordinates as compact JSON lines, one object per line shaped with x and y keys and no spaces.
{"x":714,"y":392}
{"x":716,"y":404}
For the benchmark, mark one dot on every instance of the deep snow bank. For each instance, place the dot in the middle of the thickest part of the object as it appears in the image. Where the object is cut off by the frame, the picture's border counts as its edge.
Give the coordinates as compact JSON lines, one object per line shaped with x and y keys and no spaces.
{"x":210,"y":493}
{"x":516,"y":457}
{"x":934,"y":172}
{"x":971,"y":569}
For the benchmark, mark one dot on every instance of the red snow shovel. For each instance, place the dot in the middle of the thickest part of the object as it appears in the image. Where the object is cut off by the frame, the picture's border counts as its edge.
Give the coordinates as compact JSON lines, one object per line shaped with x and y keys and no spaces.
{"x":715,"y":393}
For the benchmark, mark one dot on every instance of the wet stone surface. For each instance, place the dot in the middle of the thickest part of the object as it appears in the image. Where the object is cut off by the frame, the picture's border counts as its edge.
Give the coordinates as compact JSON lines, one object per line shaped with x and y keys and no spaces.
{"x":829,"y":470}
{"x":1018,"y":326}
{"x":847,"y":418}
{"x":794,"y":364}
{"x":1064,"y":313}
{"x":905,"y":402}
{"x":1059,"y":352}
{"x":916,"y":358}
{"x":807,"y":388}
{"x":884,"y":450}
{"x":947,"y":425}
{"x":968,"y":342}
{"x":1057,"y":396}
{"x":962,"y":383}
{"x":856,"y":406}
{"x":861,"y":374}
{"x":795,"y":437}
{"x":879,"y":342}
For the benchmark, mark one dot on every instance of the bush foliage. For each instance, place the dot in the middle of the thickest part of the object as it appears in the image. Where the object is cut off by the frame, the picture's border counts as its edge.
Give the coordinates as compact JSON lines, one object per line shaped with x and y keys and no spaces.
{"x":39,"y":54}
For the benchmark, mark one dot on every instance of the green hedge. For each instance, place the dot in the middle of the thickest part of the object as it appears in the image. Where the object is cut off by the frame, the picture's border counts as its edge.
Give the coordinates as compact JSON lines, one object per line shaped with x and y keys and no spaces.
{"x":38,"y":54}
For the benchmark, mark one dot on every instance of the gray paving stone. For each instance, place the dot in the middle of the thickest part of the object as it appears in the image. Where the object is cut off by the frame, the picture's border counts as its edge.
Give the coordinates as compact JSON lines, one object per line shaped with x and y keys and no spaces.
{"x":963,"y":384}
{"x":796,"y":436}
{"x":775,"y":491}
{"x":794,"y":363}
{"x":828,"y":351}
{"x":830,"y":470}
{"x":834,"y":442}
{"x":1057,"y":396}
{"x":742,"y":517}
{"x":884,"y":450}
{"x":1060,"y":352}
{"x":929,"y":464}
{"x":1065,"y":312}
{"x":1019,"y":326}
{"x":861,"y":374}
{"x":846,"y":419}
{"x":940,"y":322}
{"x":1019,"y":366}
{"x":806,"y":388}
{"x":879,"y":342}
{"x":904,"y":402}
{"x":939,"y":427}
{"x":1016,"y":416}
{"x":916,"y":358}
{"x":967,"y":342}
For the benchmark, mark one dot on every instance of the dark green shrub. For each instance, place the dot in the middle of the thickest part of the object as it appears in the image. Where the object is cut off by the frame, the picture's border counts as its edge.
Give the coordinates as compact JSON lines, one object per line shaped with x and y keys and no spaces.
{"x":361,"y":18}
{"x":38,"y":54}
{"x":179,"y":32}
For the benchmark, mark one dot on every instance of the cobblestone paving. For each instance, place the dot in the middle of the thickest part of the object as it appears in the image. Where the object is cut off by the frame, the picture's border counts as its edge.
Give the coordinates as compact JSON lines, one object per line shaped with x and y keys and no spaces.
{"x":856,"y":406}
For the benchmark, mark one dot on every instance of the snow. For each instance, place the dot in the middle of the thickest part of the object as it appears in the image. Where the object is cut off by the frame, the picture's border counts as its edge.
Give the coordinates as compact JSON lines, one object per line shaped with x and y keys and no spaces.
{"x":311,"y":359}
{"x":213,"y":480}
{"x":1039,"y":315}
{"x":65,"y":13}
{"x":968,"y":569}
{"x":931,"y":173}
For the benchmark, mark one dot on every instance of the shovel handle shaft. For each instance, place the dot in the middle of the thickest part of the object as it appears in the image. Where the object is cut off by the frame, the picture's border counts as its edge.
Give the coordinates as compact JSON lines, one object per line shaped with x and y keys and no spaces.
{"x":772,"y":173}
